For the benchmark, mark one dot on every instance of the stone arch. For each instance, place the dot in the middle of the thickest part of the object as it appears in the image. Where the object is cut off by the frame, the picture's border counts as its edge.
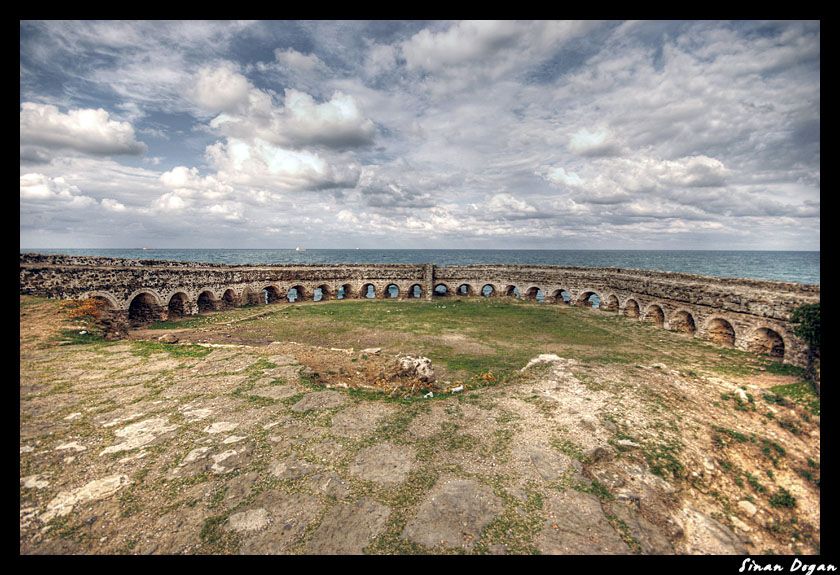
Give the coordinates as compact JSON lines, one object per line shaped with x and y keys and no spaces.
{"x":415,"y":293}
{"x":512,"y":291}
{"x":229,"y":298}
{"x":325,"y":293}
{"x":610,"y":303}
{"x":766,"y":341}
{"x":655,"y":314}
{"x":562,"y":296}
{"x":631,"y":308}
{"x":584,"y":299}
{"x":299,"y":293}
{"x":682,"y":321}
{"x":207,"y":301}
{"x":368,"y":291}
{"x":491,"y":292}
{"x":270,"y":294}
{"x":387,"y":291}
{"x":179,"y":305}
{"x":719,"y":330}
{"x":143,"y":308}
{"x":249,"y":296}
{"x":104,"y":296}
{"x":441,"y":292}
{"x":345,"y":291}
{"x":465,"y":290}
{"x":156,"y":299}
{"x":532,"y":293}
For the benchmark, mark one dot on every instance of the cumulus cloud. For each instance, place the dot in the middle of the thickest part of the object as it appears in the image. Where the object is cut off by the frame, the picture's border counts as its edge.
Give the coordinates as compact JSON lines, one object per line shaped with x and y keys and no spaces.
{"x":337,"y":123}
{"x":38,"y":188}
{"x":262,"y":164}
{"x":89,"y":131}
{"x":220,"y":89}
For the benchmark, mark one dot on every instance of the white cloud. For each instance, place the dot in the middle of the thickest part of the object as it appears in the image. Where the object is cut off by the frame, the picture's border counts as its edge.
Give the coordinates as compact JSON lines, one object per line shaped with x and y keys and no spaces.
{"x":112,"y":205}
{"x":264,"y":165}
{"x":39,"y":188}
{"x":291,"y":58}
{"x":220,"y":88}
{"x":598,"y":143}
{"x":89,"y":131}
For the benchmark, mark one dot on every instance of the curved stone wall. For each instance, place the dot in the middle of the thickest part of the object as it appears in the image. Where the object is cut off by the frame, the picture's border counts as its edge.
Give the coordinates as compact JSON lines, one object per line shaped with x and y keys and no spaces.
{"x":749,"y":314}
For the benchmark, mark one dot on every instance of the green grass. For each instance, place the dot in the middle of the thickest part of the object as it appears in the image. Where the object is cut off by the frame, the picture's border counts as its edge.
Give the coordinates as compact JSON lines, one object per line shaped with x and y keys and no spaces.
{"x":147,"y":348}
{"x":800,"y":393}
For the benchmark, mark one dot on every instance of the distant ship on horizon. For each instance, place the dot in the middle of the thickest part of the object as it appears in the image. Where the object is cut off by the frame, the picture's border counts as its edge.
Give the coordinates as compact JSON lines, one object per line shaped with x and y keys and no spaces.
{"x":300,"y":249}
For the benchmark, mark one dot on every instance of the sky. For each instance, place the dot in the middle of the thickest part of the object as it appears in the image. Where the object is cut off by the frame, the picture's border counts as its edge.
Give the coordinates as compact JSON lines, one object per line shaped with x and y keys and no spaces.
{"x":412,"y":134}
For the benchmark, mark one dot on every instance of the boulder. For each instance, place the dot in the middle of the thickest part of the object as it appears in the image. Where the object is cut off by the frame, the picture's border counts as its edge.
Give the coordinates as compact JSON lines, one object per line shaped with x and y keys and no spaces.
{"x":419,"y":367}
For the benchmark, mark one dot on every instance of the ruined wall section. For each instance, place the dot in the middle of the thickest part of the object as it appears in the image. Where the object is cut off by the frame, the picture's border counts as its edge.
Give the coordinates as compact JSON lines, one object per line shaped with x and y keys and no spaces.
{"x":773,"y":300}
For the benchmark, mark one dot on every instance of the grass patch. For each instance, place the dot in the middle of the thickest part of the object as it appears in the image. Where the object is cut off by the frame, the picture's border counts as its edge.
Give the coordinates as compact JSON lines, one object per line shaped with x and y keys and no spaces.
{"x":148,"y":348}
{"x":782,"y":498}
{"x":800,"y":393}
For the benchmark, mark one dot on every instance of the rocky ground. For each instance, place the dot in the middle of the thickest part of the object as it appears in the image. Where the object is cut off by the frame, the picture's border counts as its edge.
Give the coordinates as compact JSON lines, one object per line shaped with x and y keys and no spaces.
{"x":273,"y":445}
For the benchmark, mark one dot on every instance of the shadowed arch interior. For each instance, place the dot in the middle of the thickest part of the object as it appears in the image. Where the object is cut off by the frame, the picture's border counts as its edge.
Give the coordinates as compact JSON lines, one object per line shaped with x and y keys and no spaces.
{"x":415,"y":291}
{"x":441,"y":290}
{"x":488,"y":290}
{"x":683,"y":322}
{"x":767,"y":342}
{"x":611,"y":303}
{"x":655,"y":315}
{"x":178,"y":305}
{"x":721,"y":332}
{"x":229,"y":298}
{"x":392,"y":291}
{"x":631,"y":308}
{"x":465,"y":290}
{"x":562,"y":296}
{"x":143,"y":309}
{"x":368,"y":291}
{"x":296,"y":293}
{"x":206,"y":302}
{"x":589,"y":299}
{"x":344,"y":292}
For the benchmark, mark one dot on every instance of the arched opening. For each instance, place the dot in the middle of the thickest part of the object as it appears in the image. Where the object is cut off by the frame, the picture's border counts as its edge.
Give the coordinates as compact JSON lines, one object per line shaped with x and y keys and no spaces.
{"x":416,"y":291}
{"x":441,"y":290}
{"x":721,"y":332}
{"x":589,"y":299}
{"x":344,"y":292}
{"x":535,"y":294}
{"x":143,"y":309}
{"x":271,"y":294}
{"x":610,"y":303}
{"x":179,"y":305}
{"x":367,"y":292}
{"x":682,"y":322}
{"x":206,"y":302}
{"x":229,"y":298}
{"x":392,"y":291}
{"x":631,"y":308}
{"x":512,"y":291}
{"x":655,"y":315}
{"x":297,"y":293}
{"x":767,"y":342}
{"x":320,"y":293}
{"x":465,"y":290}
{"x":562,"y":296}
{"x":488,"y":290}
{"x":250,"y":297}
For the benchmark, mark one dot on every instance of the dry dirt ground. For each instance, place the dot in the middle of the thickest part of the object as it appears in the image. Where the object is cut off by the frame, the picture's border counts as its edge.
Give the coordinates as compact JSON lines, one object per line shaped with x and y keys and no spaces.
{"x":265,"y":447}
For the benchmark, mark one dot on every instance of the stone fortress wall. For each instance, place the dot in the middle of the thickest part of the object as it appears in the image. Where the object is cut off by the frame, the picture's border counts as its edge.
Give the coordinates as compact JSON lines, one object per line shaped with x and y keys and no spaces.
{"x":744,"y":313}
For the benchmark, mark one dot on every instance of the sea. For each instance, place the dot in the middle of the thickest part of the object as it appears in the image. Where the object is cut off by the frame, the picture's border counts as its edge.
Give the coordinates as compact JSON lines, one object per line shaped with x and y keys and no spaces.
{"x":787,"y":266}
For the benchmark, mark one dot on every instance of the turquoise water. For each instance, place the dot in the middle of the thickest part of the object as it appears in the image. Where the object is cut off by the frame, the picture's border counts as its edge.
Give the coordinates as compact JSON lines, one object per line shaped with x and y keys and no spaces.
{"x":800,"y":267}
